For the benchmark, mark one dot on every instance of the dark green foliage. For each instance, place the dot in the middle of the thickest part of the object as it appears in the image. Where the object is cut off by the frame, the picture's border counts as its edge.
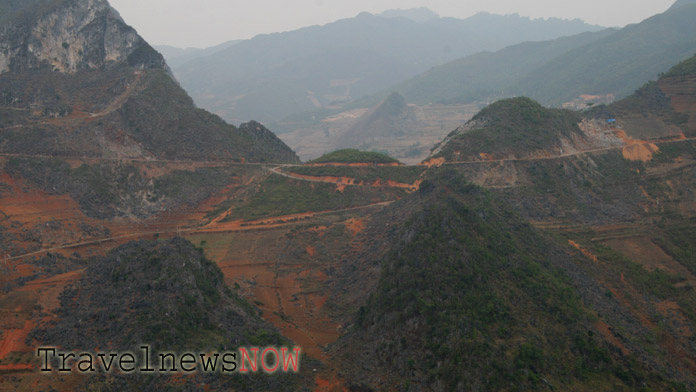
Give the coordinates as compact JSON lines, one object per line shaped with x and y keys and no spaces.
{"x":167,"y":295}
{"x":473,"y":296}
{"x":671,"y":151}
{"x":175,"y":291}
{"x":657,"y":282}
{"x":354,"y":156}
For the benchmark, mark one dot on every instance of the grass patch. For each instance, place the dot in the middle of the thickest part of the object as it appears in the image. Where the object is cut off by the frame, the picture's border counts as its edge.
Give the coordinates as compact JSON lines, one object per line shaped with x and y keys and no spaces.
{"x":284,"y":196}
{"x":354,"y":156}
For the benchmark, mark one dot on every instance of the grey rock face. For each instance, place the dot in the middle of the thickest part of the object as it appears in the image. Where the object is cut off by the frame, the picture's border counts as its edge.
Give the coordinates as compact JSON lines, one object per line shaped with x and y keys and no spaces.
{"x":68,"y":36}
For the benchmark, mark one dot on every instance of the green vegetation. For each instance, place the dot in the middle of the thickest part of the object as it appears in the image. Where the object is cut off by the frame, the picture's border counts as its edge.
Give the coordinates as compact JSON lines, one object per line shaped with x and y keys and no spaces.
{"x":517,"y":126}
{"x":168,"y":295}
{"x":671,"y":151}
{"x":354,"y":156}
{"x":647,"y":99}
{"x":472,"y":295}
{"x":658,"y":284}
{"x":402,"y":174}
{"x":284,"y":196}
{"x":678,"y":242}
{"x":177,"y":291}
{"x":685,"y":68}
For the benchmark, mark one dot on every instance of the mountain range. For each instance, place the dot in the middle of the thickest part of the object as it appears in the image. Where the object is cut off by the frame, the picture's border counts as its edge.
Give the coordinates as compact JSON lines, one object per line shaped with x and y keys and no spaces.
{"x":577,"y":71}
{"x":272,"y":76}
{"x":534,"y":248}
{"x":614,"y":62}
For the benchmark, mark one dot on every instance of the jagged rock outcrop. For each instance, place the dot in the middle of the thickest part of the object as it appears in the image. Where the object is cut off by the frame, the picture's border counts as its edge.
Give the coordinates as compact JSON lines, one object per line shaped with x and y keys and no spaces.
{"x":76,"y":82}
{"x":71,"y":36}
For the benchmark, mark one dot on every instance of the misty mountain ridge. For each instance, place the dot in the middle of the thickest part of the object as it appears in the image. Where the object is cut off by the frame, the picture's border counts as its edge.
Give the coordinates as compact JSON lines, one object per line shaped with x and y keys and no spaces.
{"x":555,"y":72}
{"x":418,"y":15}
{"x":680,"y":3}
{"x":559,"y":243}
{"x":274,"y":75}
{"x":179,"y":56}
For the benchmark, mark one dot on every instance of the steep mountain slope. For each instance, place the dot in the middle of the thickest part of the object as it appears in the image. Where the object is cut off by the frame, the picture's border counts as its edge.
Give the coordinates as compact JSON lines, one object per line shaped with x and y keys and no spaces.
{"x":175,"y":290}
{"x":599,"y":295}
{"x":272,"y":76}
{"x":77,"y":83}
{"x":520,"y":128}
{"x":472,"y":298}
{"x":392,"y":118}
{"x":659,"y":110}
{"x":513,"y":128}
{"x":553,"y":73}
{"x":680,"y":3}
{"x":488,"y":75}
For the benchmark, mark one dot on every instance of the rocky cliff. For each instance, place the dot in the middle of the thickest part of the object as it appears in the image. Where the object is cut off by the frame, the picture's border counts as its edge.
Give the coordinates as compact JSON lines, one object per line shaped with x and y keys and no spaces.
{"x":76,"y":80}
{"x":69,"y":36}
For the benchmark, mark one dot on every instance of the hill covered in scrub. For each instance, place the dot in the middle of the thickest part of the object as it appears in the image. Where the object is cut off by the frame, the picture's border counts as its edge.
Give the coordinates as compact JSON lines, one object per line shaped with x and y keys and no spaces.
{"x":470,"y":296}
{"x":517,"y":127}
{"x":91,"y":89}
{"x":168,"y":295}
{"x":175,"y":290}
{"x":660,"y":109}
{"x":350,"y":155}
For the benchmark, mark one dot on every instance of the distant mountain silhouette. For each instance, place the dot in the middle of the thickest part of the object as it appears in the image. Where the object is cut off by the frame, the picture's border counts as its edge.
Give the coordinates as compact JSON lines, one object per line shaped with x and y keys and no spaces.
{"x":178,"y":56}
{"x":418,"y":15}
{"x":553,"y":72}
{"x":272,"y":76}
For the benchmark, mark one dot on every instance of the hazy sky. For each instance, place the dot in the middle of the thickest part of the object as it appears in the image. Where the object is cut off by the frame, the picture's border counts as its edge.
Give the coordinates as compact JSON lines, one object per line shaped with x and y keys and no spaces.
{"x":203,"y":23}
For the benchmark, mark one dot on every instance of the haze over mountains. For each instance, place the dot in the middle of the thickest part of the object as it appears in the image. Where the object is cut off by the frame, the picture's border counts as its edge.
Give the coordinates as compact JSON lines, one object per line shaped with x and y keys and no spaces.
{"x":535,"y":249}
{"x":580,"y":70}
{"x":272,"y":76}
{"x":176,"y":57}
{"x":559,"y":71}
